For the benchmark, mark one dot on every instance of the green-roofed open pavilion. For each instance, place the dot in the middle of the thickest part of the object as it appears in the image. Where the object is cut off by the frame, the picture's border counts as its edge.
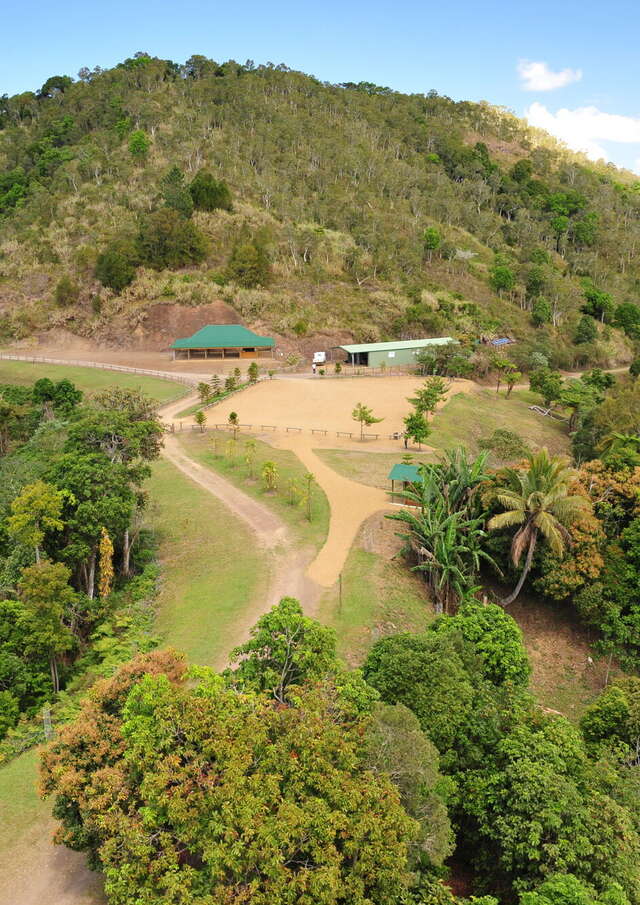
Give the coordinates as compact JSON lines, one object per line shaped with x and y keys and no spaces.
{"x":396,"y":352}
{"x":405,"y":475}
{"x":223,"y":341}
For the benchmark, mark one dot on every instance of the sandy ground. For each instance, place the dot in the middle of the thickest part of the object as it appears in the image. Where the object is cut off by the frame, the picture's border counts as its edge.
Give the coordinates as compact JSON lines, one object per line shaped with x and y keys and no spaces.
{"x":324,"y":404}
{"x":50,"y":875}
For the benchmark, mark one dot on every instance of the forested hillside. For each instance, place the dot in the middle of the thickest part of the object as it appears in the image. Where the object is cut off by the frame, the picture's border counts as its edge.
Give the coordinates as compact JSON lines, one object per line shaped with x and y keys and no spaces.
{"x":308,"y":207}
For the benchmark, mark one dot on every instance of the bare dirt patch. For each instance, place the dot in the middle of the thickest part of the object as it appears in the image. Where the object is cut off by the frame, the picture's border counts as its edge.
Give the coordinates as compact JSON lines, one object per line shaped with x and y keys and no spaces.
{"x":566,"y":677}
{"x":327,"y":404}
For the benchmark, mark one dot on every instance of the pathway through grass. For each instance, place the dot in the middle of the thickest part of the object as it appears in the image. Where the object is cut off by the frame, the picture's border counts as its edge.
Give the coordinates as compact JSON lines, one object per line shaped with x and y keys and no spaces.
{"x":211,"y":567}
{"x":380,"y":595}
{"x":230,"y":463}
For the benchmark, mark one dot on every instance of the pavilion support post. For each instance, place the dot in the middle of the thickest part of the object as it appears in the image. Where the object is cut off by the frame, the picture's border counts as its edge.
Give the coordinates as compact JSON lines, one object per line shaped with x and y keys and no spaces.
{"x":188,"y":354}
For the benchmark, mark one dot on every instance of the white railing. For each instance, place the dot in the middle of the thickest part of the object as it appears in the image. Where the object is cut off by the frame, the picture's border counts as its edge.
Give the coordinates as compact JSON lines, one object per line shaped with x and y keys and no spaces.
{"x":147,"y":372}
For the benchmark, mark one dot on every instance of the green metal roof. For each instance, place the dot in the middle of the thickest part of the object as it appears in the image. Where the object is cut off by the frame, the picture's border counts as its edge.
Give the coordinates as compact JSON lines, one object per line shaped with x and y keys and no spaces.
{"x":223,"y":336}
{"x":399,"y":344}
{"x":402,"y":472}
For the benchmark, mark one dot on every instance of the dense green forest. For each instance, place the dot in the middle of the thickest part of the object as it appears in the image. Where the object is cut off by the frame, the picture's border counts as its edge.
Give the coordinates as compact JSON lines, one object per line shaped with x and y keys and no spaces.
{"x":308,"y":207}
{"x":75,"y":569}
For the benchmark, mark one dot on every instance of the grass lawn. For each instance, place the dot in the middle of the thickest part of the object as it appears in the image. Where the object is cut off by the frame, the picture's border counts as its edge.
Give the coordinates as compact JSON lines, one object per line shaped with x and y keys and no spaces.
{"x":370,"y":468}
{"x":20,"y":806}
{"x":200,"y":446}
{"x":467,"y":417}
{"x":380,"y":595}
{"x":211,"y":567}
{"x":90,"y":380}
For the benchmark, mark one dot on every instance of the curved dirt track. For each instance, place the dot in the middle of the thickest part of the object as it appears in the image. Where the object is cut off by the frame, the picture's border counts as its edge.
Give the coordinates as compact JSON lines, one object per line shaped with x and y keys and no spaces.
{"x":269,"y":529}
{"x":287,"y":576}
{"x":350,"y":505}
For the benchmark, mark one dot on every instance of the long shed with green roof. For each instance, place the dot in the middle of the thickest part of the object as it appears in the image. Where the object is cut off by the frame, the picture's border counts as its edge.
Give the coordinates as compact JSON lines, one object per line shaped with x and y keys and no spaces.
{"x":223,"y":341}
{"x":397,"y":352}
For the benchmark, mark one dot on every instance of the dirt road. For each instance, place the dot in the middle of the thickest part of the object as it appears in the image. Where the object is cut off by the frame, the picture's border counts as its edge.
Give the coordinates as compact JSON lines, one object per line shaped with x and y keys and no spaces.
{"x":288,"y":565}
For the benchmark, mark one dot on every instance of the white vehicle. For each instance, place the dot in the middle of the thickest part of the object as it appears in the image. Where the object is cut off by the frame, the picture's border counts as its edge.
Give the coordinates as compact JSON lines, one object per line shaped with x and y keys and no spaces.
{"x":319,"y":358}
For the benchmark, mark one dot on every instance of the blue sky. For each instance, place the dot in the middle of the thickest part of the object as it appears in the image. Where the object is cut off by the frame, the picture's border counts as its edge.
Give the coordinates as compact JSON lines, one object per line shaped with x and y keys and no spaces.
{"x":582,"y":88}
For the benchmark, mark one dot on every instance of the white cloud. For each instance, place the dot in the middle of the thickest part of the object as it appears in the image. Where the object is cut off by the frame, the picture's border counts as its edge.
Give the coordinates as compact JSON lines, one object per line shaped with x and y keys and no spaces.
{"x":584,"y":128}
{"x":538,"y":76}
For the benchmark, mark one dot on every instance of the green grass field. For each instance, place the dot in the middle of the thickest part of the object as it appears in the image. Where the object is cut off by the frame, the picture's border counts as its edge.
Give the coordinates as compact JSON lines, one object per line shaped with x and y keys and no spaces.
{"x":380,"y":596}
{"x":467,"y":417}
{"x":90,"y":380}
{"x":211,"y":567}
{"x":200,"y":446}
{"x":20,"y":806}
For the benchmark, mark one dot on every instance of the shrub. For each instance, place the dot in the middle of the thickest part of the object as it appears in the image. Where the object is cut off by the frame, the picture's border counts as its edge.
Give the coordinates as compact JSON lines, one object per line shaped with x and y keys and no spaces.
{"x":506,"y":444}
{"x":66,"y":292}
{"x":139,"y":144}
{"x":209,"y":194}
{"x":249,"y":265}
{"x":540,"y":312}
{"x":116,"y":266}
{"x":168,"y":240}
{"x":586,"y":331}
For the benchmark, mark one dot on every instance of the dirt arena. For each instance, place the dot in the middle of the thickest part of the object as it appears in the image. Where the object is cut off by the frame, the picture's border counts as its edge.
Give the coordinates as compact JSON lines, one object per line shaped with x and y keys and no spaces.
{"x":325,"y":403}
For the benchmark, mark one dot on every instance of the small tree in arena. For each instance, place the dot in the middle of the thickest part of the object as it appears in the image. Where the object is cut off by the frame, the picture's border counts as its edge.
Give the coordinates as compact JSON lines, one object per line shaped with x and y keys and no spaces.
{"x":416,"y":428}
{"x":364,"y":415}
{"x":201,"y":419}
{"x":204,"y":392}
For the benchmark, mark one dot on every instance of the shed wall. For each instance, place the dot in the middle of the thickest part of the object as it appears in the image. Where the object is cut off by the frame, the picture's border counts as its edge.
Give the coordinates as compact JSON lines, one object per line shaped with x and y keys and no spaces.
{"x":393,"y":357}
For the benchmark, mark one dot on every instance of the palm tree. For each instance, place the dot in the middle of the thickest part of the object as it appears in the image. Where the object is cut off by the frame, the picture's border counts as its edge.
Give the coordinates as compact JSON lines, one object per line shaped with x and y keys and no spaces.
{"x":537,"y":502}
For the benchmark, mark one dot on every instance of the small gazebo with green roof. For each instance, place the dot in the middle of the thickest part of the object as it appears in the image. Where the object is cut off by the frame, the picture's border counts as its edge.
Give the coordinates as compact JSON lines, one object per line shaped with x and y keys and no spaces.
{"x":223,"y":341}
{"x":406,"y":475}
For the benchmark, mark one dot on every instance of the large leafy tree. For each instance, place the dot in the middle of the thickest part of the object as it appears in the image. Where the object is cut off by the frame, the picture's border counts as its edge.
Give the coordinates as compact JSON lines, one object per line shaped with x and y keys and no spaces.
{"x":210,"y":793}
{"x":285,"y":648}
{"x":613,"y":719}
{"x":428,"y":675}
{"x":99,"y":495}
{"x":397,"y":746}
{"x":538,"y":502}
{"x":496,"y":639}
{"x":49,"y":609}
{"x":35,"y":512}
{"x":540,"y":806}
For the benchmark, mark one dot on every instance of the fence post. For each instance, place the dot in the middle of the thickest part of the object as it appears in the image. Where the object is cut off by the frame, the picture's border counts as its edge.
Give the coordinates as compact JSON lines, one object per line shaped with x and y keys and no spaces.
{"x":46,"y":720}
